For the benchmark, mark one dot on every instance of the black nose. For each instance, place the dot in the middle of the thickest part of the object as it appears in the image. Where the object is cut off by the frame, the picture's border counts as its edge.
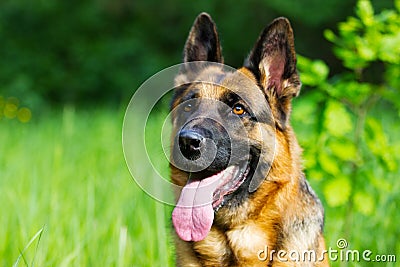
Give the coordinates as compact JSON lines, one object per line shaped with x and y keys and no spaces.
{"x":190,"y":143}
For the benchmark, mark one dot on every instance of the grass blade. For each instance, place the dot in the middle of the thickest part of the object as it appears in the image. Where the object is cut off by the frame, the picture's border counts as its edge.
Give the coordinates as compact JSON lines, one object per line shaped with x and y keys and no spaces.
{"x":21,"y":255}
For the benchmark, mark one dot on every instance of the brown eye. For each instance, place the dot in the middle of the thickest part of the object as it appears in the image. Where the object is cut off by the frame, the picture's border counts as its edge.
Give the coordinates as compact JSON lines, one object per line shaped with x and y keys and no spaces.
{"x":238,"y":109}
{"x":188,"y":107}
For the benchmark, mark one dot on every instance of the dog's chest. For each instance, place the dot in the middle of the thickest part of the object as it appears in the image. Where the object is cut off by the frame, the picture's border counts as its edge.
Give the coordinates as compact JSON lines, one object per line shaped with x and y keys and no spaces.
{"x":241,"y":246}
{"x":245,"y":241}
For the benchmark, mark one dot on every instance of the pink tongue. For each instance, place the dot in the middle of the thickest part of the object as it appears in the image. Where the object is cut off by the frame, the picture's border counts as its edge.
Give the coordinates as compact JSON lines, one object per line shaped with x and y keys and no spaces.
{"x":194,"y":214}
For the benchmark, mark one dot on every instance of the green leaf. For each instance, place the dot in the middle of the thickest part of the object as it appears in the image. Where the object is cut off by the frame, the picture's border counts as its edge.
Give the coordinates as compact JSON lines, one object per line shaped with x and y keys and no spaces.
{"x":375,"y":136}
{"x":364,"y":203}
{"x":391,"y":77}
{"x":310,"y":159}
{"x":389,"y":50}
{"x":312,"y":73}
{"x":328,"y":163}
{"x":397,"y":4}
{"x":378,"y":143}
{"x":351,"y":90}
{"x":350,"y":59}
{"x":305,"y":110}
{"x":315,"y":175}
{"x":337,"y":191}
{"x":365,"y":12}
{"x":380,"y":183}
{"x":330,"y":36}
{"x":365,"y":50}
{"x":321,"y":69}
{"x":337,"y":119}
{"x":350,"y":27}
{"x":344,"y":150}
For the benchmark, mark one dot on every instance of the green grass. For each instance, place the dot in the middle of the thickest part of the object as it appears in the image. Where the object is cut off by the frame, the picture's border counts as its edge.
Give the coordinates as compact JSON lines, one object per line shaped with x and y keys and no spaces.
{"x":64,"y":172}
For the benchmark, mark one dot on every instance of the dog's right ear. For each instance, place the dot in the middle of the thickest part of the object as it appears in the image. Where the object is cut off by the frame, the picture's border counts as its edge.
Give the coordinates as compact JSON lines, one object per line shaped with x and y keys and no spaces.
{"x":203,"y":42}
{"x":273,"y":62}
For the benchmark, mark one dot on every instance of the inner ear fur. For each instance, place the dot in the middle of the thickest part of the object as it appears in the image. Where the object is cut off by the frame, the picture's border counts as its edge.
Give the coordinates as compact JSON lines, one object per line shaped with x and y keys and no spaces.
{"x":273,"y":62}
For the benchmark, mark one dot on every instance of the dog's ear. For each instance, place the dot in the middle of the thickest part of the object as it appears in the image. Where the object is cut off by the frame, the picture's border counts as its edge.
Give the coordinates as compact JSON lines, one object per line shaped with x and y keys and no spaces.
{"x":273,"y":62}
{"x":203,"y":42}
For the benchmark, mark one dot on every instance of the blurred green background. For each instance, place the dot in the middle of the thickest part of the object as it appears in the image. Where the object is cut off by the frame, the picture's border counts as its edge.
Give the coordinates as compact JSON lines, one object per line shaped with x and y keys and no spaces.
{"x":69,"y":68}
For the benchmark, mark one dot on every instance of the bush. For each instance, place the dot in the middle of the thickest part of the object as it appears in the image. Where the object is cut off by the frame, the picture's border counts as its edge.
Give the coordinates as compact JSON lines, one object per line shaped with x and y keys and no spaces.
{"x":346,"y":121}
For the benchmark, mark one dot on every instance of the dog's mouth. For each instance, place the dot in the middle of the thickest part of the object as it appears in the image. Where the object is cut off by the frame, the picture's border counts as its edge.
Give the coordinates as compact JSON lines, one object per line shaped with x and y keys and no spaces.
{"x":202,"y":196}
{"x":230,"y":184}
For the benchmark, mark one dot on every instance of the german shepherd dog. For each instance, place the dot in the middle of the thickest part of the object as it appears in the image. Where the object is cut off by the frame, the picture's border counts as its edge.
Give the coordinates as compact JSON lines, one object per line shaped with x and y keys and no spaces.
{"x":242,"y":199}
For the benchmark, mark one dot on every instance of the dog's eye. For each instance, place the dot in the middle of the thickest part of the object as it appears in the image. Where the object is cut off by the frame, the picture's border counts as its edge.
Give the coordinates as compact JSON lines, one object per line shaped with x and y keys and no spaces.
{"x":238,"y":109}
{"x":188,"y":107}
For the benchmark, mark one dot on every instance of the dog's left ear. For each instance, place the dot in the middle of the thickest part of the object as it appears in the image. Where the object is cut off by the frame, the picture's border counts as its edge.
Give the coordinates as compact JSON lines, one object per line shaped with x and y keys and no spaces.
{"x":273,"y":62}
{"x":202,"y":43}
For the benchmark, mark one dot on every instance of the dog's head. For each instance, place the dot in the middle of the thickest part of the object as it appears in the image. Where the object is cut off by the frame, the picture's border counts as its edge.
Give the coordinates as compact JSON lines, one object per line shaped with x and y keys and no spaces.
{"x":225,"y":121}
